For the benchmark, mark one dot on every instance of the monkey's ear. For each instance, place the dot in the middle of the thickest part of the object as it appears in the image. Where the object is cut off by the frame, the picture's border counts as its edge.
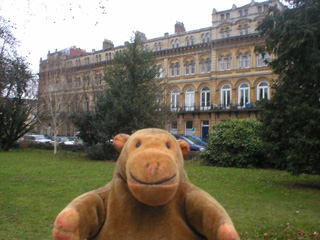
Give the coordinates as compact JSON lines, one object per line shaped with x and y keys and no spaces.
{"x":185,"y":147}
{"x":119,"y":141}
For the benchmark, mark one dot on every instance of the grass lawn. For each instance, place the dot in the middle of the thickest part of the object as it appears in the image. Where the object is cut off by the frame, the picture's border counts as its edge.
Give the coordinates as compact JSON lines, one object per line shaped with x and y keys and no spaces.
{"x":264,"y":204}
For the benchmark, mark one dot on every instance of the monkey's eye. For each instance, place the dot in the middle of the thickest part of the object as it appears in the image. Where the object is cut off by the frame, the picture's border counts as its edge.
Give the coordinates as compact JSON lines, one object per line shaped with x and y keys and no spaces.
{"x":168,"y":145}
{"x":138,"y":144}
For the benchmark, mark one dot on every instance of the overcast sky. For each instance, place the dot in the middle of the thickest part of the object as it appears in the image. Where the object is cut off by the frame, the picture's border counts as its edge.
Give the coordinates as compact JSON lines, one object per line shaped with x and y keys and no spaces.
{"x":47,"y":25}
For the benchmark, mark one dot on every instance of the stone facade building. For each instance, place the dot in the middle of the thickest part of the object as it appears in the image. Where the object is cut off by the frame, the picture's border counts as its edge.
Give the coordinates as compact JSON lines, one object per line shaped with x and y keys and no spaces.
{"x":211,"y":73}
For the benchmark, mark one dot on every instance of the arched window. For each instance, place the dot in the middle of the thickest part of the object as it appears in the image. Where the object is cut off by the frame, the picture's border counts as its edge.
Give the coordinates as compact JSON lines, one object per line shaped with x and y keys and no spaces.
{"x":187,"y":40}
{"x":244,"y":95}
{"x":177,"y":43}
{"x":175,"y":99}
{"x":189,"y":99}
{"x":225,"y":97}
{"x":193,"y":67}
{"x":263,"y":91}
{"x":205,"y":98}
{"x":172,"y":43}
{"x":228,"y":62}
{"x":187,"y":68}
{"x":192,"y":40}
{"x":203,"y":38}
{"x":178,"y":69}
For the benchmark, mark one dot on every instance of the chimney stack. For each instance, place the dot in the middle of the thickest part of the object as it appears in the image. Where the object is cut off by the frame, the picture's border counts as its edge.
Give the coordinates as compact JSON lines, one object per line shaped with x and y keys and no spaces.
{"x":179,"y":27}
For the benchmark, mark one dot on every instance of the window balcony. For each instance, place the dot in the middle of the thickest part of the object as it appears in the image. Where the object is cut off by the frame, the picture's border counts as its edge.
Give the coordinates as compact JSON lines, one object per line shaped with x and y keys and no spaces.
{"x":214,"y":108}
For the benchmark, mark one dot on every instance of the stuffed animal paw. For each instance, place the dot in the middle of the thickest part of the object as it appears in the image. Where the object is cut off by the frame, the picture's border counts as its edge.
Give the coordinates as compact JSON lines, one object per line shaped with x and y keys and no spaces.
{"x":66,"y":226}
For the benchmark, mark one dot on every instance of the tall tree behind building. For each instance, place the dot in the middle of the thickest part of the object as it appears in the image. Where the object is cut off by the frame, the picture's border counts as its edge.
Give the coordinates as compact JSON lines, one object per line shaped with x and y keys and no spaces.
{"x":134,"y":99}
{"x":291,"y":119}
{"x":17,"y":99}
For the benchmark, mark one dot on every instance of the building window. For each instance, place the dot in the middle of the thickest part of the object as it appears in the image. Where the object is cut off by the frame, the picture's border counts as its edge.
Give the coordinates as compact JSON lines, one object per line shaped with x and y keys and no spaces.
{"x":172,"y":43}
{"x":192,"y":40}
{"x":175,"y":99}
{"x":228,"y":31}
{"x":187,"y":40}
{"x":202,"y":66}
{"x":225,"y":96}
{"x":172,"y":69}
{"x":86,"y":105}
{"x":205,"y":98}
{"x":263,"y":91}
{"x":222,"y":32}
{"x":174,"y":127}
{"x":267,"y":59}
{"x":259,"y":60}
{"x":247,"y":65}
{"x":240,"y":61}
{"x":222,"y":63}
{"x":240,"y":13}
{"x":160,"y":72}
{"x":227,"y":15}
{"x":260,"y":9}
{"x":160,"y":46}
{"x":240,"y":30}
{"x":193,"y":67}
{"x":228,"y":62}
{"x":177,"y":43}
{"x":246,"y":29}
{"x":203,"y":38}
{"x":208,"y":65}
{"x":156,"y":47}
{"x":187,"y":68}
{"x":189,"y":127}
{"x":208,"y":37}
{"x":189,"y":99}
{"x":246,"y":12}
{"x":244,"y":95}
{"x":178,"y":69}
{"x":222,"y":16}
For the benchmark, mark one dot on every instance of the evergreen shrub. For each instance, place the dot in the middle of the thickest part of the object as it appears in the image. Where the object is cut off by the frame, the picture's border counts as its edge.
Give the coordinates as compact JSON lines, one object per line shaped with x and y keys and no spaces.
{"x":235,"y":143}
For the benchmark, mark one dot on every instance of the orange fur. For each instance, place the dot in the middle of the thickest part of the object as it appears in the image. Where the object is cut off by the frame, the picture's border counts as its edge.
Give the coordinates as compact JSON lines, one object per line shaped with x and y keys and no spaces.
{"x":149,"y":197}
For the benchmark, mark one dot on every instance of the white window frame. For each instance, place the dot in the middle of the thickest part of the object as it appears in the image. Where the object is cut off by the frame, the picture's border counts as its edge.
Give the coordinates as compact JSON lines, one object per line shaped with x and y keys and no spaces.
{"x":243,"y":95}
{"x":205,"y":98}
{"x":175,"y":100}
{"x":189,"y":99}
{"x":225,"y":96}
{"x":263,"y":90}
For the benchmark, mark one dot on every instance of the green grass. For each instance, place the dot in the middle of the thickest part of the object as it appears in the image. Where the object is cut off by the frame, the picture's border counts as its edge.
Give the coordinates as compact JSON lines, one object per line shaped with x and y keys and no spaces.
{"x":264,"y":204}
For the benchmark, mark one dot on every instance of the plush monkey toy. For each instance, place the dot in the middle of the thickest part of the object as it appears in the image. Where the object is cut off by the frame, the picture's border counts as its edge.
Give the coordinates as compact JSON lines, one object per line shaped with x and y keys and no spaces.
{"x":149,"y":198}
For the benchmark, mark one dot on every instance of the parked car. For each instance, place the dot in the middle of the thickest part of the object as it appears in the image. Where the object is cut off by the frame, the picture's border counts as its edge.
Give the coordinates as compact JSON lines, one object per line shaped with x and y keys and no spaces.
{"x":204,"y":141}
{"x":59,"y":140}
{"x":36,"y":139}
{"x":75,"y":140}
{"x":195,"y":145}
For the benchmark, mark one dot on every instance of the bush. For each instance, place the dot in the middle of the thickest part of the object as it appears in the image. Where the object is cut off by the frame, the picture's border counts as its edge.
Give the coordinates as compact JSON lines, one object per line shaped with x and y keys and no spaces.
{"x":100,"y":152}
{"x":235,"y":143}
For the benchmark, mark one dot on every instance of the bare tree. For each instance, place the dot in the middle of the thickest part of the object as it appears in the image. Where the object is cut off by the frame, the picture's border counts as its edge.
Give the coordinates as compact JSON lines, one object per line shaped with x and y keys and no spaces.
{"x":54,"y":99}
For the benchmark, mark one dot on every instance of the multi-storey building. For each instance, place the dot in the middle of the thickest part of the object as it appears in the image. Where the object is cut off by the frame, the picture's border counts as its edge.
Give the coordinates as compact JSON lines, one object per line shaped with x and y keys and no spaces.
{"x":211,"y":73}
